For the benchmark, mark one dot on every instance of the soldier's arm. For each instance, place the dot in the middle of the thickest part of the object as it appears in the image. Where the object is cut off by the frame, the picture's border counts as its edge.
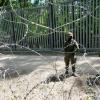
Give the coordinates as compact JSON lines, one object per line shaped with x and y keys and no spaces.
{"x":76,"y":46}
{"x":65,"y":44}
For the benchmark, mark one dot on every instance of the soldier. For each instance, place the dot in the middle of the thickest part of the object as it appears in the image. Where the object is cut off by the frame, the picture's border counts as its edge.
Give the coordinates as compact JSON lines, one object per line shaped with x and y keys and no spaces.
{"x":70,"y":47}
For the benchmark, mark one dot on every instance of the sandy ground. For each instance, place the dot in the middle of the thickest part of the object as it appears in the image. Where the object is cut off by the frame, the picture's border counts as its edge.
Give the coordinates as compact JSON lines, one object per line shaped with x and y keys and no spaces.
{"x":34,"y":69}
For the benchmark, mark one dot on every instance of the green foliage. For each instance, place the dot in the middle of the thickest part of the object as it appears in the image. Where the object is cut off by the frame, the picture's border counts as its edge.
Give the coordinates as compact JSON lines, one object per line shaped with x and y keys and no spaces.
{"x":36,"y":2}
{"x":4,"y":2}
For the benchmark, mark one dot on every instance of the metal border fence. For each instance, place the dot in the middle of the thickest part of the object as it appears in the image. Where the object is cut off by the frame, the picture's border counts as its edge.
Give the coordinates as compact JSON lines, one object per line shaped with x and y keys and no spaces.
{"x":80,"y":17}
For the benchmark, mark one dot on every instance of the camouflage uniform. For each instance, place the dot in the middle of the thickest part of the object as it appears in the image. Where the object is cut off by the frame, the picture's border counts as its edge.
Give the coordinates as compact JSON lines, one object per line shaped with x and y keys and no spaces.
{"x":70,"y":47}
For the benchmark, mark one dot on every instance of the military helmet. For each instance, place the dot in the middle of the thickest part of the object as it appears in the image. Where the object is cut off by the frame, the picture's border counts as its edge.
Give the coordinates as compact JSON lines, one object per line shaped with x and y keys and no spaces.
{"x":70,"y":34}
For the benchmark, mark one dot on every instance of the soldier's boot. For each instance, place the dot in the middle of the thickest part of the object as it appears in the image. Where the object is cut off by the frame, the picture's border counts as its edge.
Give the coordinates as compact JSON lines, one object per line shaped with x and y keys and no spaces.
{"x":73,"y":70}
{"x":66,"y":72}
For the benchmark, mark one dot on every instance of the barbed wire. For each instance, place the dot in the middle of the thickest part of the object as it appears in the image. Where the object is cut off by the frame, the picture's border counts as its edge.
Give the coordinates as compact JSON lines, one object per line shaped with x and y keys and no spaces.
{"x":42,"y":56}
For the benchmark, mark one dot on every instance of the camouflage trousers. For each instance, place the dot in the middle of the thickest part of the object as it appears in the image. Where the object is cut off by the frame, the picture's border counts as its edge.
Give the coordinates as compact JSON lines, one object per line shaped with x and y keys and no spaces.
{"x":70,"y":58}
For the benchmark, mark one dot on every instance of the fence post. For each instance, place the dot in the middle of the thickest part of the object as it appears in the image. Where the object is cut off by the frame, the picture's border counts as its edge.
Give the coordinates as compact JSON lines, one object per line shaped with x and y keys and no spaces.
{"x":51,"y":23}
{"x":13,"y":32}
{"x":73,"y":17}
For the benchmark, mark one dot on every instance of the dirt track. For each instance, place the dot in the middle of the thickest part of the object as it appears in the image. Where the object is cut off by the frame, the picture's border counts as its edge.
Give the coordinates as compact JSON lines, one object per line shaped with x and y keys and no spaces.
{"x":29,"y":63}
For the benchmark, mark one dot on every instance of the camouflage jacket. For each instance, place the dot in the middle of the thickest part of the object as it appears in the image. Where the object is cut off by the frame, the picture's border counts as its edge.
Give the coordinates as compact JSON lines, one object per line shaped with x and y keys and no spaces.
{"x":71,"y":47}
